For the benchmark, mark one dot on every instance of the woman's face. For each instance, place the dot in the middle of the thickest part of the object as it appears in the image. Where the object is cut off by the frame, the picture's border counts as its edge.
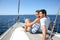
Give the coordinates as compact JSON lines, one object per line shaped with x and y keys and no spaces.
{"x":37,"y":14}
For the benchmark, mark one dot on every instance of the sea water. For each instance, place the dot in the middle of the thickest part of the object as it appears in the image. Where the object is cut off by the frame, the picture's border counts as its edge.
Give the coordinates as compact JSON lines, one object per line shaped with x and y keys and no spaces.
{"x":6,"y":21}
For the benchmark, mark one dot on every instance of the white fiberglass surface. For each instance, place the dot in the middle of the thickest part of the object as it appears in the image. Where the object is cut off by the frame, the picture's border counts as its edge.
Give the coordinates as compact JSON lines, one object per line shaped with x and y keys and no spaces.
{"x":18,"y":34}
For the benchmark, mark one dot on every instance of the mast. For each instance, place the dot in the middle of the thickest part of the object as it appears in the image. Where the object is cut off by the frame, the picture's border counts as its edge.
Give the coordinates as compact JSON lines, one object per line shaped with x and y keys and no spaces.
{"x":18,"y":6}
{"x":18,"y":10}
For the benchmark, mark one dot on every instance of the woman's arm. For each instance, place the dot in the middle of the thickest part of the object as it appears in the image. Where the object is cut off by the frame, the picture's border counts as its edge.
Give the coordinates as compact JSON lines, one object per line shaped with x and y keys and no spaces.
{"x":37,"y":20}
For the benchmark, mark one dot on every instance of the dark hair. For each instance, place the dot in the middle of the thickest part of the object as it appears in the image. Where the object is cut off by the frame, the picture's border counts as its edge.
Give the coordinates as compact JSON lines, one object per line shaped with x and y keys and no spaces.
{"x":43,"y":11}
{"x":37,"y":11}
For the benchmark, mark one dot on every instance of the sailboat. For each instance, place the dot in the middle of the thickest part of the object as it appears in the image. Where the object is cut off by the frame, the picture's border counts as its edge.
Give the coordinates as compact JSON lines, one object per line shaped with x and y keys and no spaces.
{"x":14,"y":33}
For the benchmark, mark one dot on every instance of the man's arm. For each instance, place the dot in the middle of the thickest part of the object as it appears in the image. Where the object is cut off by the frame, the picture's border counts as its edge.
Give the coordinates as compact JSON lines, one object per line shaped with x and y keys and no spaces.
{"x":44,"y":32}
{"x":43,"y":26}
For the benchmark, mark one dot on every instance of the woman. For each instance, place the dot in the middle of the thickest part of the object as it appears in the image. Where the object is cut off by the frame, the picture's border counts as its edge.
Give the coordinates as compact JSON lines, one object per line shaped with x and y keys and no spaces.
{"x":29,"y":24}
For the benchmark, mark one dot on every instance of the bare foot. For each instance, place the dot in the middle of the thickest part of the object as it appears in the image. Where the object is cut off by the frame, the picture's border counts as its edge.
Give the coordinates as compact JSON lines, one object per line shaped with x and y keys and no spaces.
{"x":23,"y":30}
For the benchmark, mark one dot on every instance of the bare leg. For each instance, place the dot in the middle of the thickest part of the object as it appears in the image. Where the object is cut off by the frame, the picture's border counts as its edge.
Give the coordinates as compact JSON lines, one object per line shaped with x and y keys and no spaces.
{"x":26,"y":23}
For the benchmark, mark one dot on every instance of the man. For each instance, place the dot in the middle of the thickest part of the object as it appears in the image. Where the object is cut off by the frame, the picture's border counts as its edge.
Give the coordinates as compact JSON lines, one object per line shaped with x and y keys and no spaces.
{"x":44,"y":22}
{"x":33,"y":26}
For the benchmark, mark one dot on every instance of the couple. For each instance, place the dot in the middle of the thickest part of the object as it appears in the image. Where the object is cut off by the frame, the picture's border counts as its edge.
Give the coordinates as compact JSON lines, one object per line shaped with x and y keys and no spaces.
{"x":41,"y":23}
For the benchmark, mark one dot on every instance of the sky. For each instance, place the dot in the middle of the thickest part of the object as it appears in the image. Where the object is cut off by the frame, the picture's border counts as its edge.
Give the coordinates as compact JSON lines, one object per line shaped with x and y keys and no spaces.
{"x":28,"y":7}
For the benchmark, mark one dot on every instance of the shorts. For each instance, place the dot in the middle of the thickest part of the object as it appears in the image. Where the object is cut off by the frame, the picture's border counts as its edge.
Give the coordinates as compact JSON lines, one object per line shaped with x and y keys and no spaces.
{"x":35,"y":28}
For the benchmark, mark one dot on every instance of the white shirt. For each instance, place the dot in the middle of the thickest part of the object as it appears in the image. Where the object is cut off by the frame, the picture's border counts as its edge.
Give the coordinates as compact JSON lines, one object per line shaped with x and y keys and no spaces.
{"x":45,"y":21}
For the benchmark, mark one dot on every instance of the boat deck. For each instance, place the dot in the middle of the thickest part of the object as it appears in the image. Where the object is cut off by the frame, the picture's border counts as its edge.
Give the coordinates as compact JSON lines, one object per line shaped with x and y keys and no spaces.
{"x":7,"y":35}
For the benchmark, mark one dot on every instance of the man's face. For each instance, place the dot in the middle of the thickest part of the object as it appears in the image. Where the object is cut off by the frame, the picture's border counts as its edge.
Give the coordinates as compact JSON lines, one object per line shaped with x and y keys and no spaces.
{"x":40,"y":14}
{"x":37,"y":14}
